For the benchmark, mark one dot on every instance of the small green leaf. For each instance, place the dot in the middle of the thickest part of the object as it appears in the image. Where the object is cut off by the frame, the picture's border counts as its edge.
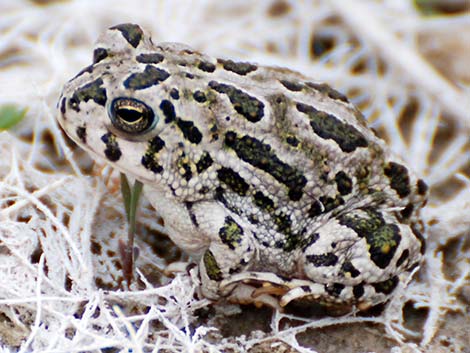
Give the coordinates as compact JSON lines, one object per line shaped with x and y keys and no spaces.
{"x":131,"y":202}
{"x":10,"y":115}
{"x":131,"y":199}
{"x":135,"y":195}
{"x":126,"y":193}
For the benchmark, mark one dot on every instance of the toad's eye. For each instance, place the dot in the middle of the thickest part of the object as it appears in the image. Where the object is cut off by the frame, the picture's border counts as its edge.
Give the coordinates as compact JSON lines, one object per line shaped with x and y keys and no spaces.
{"x":131,"y":115}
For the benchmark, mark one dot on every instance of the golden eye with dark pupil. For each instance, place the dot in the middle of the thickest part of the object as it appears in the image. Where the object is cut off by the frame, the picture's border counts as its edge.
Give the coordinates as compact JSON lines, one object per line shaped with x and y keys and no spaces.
{"x":131,"y":115}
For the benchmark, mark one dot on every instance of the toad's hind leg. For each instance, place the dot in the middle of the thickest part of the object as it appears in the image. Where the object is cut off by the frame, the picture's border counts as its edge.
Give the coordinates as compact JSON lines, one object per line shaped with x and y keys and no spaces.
{"x":360,"y":256}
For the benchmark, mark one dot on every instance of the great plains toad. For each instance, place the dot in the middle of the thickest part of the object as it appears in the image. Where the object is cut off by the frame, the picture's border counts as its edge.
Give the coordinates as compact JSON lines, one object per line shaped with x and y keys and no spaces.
{"x":271,"y":181}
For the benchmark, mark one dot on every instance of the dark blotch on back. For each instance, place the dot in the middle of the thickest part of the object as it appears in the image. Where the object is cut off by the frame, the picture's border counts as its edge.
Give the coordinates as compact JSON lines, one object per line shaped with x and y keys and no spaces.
{"x":260,"y":155}
{"x":199,"y":96}
{"x":204,"y":162}
{"x":383,"y":238}
{"x":131,"y":32}
{"x":189,"y":130}
{"x":206,"y":66}
{"x":92,"y":90}
{"x":99,"y":54}
{"x":250,"y":107}
{"x":399,"y":179}
{"x":168,"y":110}
{"x":343,"y":183}
{"x":187,"y":127}
{"x":149,"y":77}
{"x":239,"y":68}
{"x":174,"y":93}
{"x":330,"y":127}
{"x":292,"y":86}
{"x":263,"y":202}
{"x":330,"y":92}
{"x":152,"y":58}
{"x":328,"y":259}
{"x":233,"y":180}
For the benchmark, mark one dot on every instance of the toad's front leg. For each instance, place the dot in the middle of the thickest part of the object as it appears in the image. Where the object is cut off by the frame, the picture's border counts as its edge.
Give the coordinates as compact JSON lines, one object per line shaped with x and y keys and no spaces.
{"x":231,"y":248}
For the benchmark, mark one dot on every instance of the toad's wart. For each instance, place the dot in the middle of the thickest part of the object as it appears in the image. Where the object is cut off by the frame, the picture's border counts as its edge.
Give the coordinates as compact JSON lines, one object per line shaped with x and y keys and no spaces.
{"x":271,"y":181}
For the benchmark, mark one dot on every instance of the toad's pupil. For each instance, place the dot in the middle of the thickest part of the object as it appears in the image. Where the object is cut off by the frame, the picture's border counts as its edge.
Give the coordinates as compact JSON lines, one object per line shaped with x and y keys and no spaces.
{"x":129,"y":115}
